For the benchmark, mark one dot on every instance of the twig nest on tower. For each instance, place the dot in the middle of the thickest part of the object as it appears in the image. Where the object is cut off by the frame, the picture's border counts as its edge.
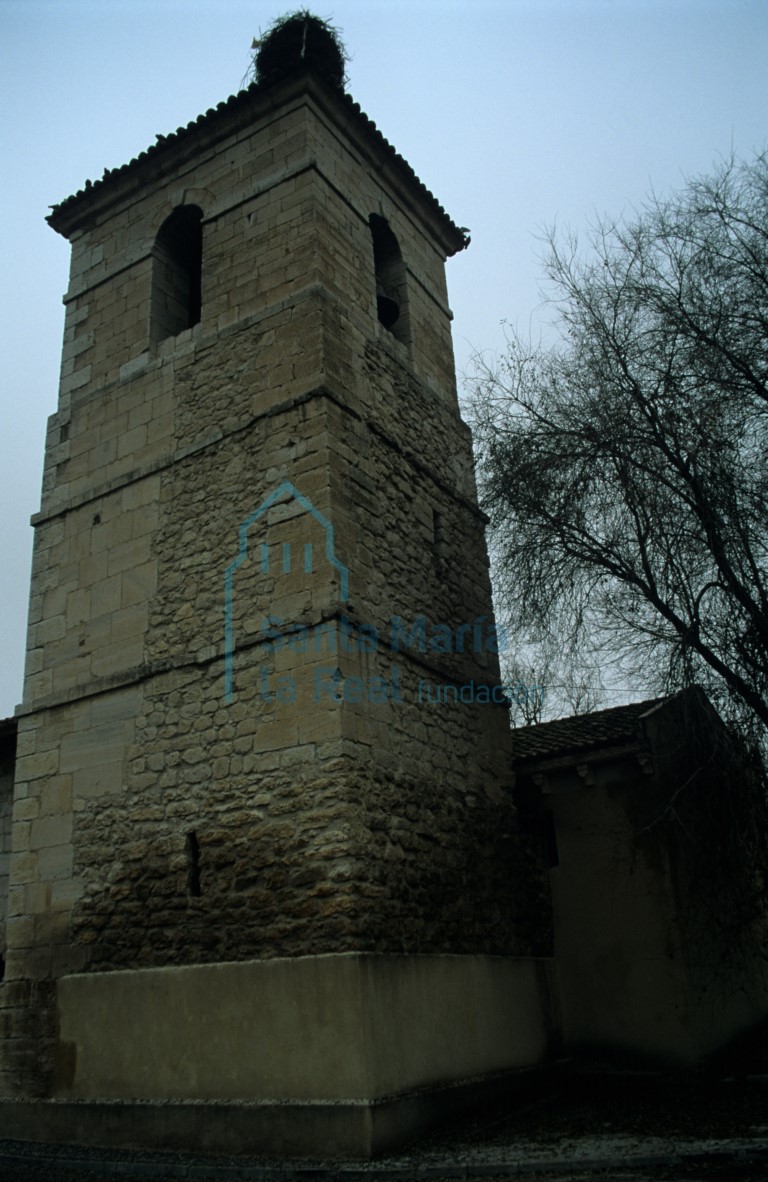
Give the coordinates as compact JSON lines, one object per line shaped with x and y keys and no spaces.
{"x":298,"y":42}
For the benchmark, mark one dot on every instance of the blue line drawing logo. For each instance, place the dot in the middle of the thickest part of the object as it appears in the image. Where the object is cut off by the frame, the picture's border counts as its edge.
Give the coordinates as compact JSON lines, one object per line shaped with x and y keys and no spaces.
{"x":282,"y":494}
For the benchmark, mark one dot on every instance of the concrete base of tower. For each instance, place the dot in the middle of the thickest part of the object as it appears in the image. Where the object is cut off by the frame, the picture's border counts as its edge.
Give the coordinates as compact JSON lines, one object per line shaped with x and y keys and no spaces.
{"x":337,"y":1055}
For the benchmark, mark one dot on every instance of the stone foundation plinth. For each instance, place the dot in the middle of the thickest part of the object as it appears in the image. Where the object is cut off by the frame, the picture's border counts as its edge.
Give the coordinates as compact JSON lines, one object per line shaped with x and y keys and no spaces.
{"x":338,"y":1054}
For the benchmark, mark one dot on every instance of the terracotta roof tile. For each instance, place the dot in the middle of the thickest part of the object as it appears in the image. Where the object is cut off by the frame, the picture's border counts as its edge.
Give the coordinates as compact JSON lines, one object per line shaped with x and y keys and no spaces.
{"x":602,"y":728}
{"x":8,"y":727}
{"x":240,"y":99}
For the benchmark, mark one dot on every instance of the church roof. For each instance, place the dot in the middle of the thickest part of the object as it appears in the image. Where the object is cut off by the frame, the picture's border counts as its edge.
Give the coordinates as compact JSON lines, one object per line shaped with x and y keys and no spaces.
{"x":8,"y":728}
{"x":238,"y":101}
{"x":566,"y":736}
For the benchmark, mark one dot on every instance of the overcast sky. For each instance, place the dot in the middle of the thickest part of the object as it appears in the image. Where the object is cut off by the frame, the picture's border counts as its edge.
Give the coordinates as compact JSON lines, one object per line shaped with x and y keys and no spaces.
{"x":515,"y":113}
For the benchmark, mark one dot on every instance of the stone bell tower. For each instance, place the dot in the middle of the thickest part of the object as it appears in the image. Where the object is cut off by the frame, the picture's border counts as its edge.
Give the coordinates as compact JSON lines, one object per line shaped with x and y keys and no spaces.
{"x":265,"y":850}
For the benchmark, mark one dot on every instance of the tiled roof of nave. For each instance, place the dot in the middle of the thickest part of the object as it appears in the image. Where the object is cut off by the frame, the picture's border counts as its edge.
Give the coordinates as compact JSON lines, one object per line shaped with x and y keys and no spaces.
{"x":564,"y":735}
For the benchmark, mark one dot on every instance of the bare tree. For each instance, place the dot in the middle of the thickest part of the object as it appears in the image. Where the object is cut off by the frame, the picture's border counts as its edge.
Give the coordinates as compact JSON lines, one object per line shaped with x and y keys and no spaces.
{"x":625,"y":469}
{"x":544,"y":681}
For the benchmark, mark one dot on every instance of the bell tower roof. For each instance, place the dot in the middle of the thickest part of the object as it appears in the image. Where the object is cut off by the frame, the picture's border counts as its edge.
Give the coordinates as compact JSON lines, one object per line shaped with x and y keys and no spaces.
{"x":272,"y":89}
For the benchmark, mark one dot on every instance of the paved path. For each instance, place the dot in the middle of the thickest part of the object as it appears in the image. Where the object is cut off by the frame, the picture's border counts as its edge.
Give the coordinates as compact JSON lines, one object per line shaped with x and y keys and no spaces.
{"x":612,"y":1128}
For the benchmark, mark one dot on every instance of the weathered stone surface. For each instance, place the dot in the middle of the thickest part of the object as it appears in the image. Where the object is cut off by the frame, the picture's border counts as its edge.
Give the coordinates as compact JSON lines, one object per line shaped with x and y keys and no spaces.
{"x":254,"y":730}
{"x":26,"y":812}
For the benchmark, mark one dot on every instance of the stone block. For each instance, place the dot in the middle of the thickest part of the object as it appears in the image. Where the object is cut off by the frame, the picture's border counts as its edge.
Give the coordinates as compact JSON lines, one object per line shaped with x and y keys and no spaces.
{"x":102,"y":780}
{"x":23,"y":866}
{"x":65,"y":893}
{"x":72,"y":674}
{"x":50,"y":629}
{"x":143,"y":492}
{"x":116,"y":708}
{"x":93,"y":570}
{"x":56,"y":796}
{"x":20,"y":931}
{"x":54,"y":602}
{"x":128,"y":556}
{"x":78,"y":607}
{"x":55,"y":862}
{"x":128,"y":623}
{"x":51,"y":831}
{"x":15,"y":968}
{"x":26,"y":738}
{"x":97,"y":632}
{"x":144,"y":520}
{"x":21,"y":836}
{"x":316,"y":726}
{"x":15,"y":901}
{"x":132,"y":441}
{"x":277,"y":733}
{"x":118,"y":658}
{"x":133,"y":368}
{"x":110,"y":533}
{"x":98,"y":745}
{"x":106,"y":596}
{"x":75,"y":381}
{"x":26,"y":810}
{"x":35,"y":661}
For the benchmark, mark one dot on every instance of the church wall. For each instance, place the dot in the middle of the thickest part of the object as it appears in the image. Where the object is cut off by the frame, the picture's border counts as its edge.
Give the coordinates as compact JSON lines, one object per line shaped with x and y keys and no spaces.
{"x":657,"y":895}
{"x":712,"y":818}
{"x":617,"y":940}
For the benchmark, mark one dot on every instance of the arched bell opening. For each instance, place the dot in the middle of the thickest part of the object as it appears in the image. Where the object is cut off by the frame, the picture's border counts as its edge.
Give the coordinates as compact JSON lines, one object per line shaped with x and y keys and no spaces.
{"x":177,"y":273}
{"x":391,"y":283}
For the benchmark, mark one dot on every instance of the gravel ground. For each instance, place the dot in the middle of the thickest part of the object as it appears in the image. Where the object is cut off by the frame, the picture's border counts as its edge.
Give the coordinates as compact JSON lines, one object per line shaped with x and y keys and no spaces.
{"x":588,"y":1126}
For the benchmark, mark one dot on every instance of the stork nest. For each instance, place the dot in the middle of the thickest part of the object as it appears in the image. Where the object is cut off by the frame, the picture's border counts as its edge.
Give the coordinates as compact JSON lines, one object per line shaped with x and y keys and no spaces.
{"x":297,"y":42}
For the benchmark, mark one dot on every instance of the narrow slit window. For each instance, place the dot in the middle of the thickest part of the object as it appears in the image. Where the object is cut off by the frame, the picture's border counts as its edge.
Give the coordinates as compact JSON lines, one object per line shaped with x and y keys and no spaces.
{"x":391,"y":286}
{"x":177,"y":267}
{"x":192,"y":847}
{"x":438,"y":541}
